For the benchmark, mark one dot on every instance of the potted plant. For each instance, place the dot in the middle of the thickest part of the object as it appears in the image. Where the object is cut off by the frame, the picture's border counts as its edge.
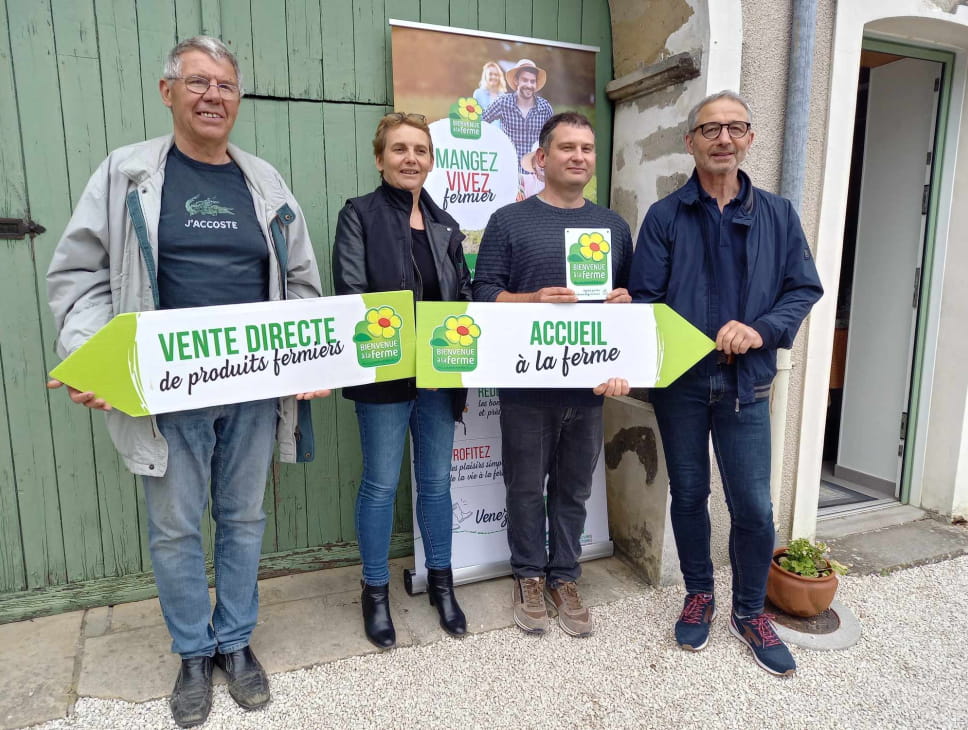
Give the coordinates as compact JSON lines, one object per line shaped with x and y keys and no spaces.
{"x":803,"y":578}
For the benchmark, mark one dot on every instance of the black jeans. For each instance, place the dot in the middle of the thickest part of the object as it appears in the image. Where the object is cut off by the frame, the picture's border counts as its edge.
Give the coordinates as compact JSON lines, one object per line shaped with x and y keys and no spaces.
{"x":562,"y":445}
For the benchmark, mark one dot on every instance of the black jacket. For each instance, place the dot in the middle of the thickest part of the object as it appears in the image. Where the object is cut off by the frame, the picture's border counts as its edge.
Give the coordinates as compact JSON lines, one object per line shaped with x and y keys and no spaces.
{"x":373,"y":251}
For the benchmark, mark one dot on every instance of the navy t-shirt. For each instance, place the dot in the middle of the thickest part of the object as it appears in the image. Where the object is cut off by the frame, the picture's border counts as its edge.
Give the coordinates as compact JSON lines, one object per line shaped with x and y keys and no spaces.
{"x":210,"y":247}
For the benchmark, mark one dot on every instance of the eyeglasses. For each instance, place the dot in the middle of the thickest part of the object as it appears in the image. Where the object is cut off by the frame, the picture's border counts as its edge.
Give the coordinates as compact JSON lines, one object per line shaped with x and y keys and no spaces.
{"x":200,"y":85}
{"x":711,"y":130}
{"x":404,"y":117}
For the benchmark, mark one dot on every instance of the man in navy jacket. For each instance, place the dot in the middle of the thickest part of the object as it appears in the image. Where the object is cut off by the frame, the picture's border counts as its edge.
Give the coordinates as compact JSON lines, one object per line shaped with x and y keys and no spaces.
{"x":733,"y":260}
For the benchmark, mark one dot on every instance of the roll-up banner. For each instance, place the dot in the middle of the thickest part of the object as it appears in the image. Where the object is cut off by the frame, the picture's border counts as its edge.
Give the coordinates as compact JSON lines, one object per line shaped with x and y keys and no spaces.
{"x":459,"y":80}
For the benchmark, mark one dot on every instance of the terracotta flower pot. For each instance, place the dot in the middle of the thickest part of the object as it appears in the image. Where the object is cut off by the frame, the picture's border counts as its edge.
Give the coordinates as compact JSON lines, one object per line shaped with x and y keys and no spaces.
{"x":797,"y":595}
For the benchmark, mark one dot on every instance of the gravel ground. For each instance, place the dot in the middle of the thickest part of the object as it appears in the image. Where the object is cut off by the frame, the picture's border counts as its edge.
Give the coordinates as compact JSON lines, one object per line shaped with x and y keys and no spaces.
{"x":908,"y":670}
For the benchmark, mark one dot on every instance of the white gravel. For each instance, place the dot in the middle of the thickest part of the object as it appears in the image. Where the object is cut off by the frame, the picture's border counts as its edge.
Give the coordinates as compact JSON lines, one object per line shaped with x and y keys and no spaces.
{"x":909,"y":670}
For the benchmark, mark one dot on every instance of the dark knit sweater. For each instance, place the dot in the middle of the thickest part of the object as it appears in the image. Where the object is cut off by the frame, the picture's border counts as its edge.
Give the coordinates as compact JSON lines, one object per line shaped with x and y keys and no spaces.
{"x":523,"y":250}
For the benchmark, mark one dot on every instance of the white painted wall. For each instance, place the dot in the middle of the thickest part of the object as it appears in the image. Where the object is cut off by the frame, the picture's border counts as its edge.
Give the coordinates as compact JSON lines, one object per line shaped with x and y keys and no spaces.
{"x":939,"y":451}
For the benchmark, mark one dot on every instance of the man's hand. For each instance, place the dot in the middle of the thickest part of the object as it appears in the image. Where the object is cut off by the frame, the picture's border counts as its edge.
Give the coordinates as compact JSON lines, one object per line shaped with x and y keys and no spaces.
{"x":554,"y":294}
{"x":309,"y":395}
{"x":85,"y":399}
{"x":735,"y":338}
{"x":618,"y":296}
{"x":613,"y":387}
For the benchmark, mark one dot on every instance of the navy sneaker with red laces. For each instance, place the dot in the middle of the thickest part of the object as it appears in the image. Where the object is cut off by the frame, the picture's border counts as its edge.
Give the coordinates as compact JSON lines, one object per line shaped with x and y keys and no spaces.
{"x":769,"y":651}
{"x":692,"y":628}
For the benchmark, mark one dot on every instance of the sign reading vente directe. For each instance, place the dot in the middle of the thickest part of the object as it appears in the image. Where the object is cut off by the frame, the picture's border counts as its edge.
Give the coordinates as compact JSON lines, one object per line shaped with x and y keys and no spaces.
{"x":178,"y":359}
{"x":462,"y":344}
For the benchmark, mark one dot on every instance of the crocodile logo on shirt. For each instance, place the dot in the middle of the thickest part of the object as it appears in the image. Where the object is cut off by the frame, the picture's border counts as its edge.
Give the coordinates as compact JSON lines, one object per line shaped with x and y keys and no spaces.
{"x":209,"y":206}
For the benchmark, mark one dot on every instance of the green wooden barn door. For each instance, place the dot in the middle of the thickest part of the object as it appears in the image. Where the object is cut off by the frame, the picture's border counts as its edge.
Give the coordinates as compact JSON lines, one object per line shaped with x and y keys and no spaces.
{"x":78,"y":79}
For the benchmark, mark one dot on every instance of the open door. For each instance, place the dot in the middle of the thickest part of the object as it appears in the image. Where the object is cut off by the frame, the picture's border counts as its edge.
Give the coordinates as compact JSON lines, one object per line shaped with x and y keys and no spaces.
{"x":882,"y":272}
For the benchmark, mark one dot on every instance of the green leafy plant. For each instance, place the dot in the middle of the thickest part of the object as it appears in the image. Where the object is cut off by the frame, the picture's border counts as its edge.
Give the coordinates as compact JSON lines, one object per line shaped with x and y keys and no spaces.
{"x":809,"y":559}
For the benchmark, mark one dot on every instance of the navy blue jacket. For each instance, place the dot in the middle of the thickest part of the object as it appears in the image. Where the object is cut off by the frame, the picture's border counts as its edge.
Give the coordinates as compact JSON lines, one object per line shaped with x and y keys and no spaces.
{"x":672,"y":264}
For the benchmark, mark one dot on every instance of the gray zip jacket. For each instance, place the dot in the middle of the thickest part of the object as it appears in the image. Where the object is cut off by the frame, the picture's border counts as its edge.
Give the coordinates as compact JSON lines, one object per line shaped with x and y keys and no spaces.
{"x":107,"y":259}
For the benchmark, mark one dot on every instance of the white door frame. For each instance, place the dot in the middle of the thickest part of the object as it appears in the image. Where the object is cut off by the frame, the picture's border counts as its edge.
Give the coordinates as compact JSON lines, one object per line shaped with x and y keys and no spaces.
{"x":917,"y":26}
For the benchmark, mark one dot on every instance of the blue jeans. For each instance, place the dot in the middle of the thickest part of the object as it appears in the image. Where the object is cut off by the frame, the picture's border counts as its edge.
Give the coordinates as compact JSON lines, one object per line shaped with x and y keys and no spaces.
{"x":687,"y":412}
{"x":231,"y":447}
{"x":562,"y":445}
{"x":383,"y":433}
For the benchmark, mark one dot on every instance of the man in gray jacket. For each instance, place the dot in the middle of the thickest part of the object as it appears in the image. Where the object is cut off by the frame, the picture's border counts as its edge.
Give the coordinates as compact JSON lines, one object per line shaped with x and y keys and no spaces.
{"x":189,"y":220}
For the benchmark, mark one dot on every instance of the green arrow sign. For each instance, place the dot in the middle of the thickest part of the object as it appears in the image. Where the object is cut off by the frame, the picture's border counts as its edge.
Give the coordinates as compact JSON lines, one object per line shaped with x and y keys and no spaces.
{"x":177,"y":359}
{"x":461,"y":344}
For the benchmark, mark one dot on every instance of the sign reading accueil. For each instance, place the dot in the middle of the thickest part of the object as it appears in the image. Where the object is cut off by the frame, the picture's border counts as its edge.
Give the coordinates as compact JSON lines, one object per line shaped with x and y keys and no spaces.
{"x":461,"y":344}
{"x":178,"y":359}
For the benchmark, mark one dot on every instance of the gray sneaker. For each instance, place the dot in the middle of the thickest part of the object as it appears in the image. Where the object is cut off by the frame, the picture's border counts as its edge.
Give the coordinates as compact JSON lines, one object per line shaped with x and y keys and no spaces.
{"x":530,"y":612}
{"x":573,"y":617}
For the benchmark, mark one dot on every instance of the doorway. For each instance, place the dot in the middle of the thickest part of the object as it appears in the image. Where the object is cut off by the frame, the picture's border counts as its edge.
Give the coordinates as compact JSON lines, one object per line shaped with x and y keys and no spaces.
{"x":888,"y":223}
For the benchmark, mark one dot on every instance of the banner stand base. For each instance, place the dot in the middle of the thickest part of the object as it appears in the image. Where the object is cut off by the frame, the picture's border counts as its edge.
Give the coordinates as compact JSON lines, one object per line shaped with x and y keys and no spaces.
{"x":415,"y":582}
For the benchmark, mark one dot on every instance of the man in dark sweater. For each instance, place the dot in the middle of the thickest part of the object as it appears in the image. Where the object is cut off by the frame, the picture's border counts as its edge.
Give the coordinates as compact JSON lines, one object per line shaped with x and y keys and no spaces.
{"x":553,"y":434}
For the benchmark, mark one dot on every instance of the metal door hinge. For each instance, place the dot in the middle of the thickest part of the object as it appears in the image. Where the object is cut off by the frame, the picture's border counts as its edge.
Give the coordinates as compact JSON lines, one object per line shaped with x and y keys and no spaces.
{"x":16,"y":228}
{"x":917,"y":288}
{"x":903,"y":426}
{"x":937,"y":84}
{"x":925,"y":197}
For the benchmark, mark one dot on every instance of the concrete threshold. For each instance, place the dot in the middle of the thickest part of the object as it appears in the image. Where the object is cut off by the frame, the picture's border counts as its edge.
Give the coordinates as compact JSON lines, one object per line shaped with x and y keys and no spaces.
{"x":877,"y":542}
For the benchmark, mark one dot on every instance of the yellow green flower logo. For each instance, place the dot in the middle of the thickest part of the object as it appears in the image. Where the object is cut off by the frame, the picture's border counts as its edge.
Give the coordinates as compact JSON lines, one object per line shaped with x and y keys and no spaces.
{"x":593,"y":246}
{"x":469,"y":109}
{"x":465,"y":118}
{"x":454,"y":344}
{"x":382,"y":322}
{"x":377,"y":337}
{"x":461,"y":330}
{"x":588,"y":259}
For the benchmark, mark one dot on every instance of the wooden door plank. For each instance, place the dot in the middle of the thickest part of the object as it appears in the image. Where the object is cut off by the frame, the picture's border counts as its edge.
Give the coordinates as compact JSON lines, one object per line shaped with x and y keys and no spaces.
{"x":236,"y":25}
{"x":518,"y":17}
{"x":270,"y":58}
{"x":304,"y":31}
{"x":340,"y":133}
{"x":492,"y":16}
{"x":13,"y":183}
{"x":544,"y":19}
{"x":569,"y":21}
{"x":596,"y":31}
{"x":156,"y":37}
{"x":188,"y":18}
{"x":243,"y":133}
{"x":369,"y":51}
{"x":35,"y":77}
{"x":286,"y":507}
{"x":85,"y":145}
{"x":309,"y":185}
{"x":211,"y":18}
{"x":12,"y":577}
{"x":436,"y":12}
{"x":339,"y":78}
{"x":463,"y":14}
{"x":117,"y":35}
{"x":13,"y":203}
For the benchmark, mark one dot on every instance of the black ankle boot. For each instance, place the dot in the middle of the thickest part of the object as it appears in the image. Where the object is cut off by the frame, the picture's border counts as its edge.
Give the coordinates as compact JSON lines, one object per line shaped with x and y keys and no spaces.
{"x":440,"y":589}
{"x":377,"y":623}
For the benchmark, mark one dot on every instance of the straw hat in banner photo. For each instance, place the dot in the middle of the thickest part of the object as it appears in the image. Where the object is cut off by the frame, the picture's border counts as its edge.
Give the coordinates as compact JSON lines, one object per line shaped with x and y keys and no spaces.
{"x":527,"y":162}
{"x":529,"y":65}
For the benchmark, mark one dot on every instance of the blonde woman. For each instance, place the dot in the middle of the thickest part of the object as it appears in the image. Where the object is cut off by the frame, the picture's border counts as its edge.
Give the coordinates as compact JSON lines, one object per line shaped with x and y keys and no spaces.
{"x":491,"y":87}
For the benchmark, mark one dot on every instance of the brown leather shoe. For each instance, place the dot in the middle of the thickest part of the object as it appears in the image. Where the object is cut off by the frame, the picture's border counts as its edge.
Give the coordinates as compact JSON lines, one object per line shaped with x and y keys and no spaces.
{"x":248,"y":683}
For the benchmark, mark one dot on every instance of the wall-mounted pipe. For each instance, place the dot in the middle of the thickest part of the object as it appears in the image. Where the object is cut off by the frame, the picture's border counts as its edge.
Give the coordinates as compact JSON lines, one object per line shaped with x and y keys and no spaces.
{"x":793,"y":169}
